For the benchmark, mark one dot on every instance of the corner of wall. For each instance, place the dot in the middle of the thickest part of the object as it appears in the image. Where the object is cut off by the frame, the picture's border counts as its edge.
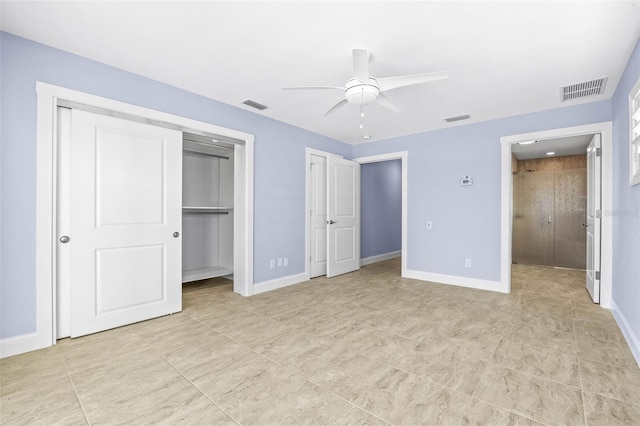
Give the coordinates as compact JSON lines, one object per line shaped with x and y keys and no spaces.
{"x":632,"y":339}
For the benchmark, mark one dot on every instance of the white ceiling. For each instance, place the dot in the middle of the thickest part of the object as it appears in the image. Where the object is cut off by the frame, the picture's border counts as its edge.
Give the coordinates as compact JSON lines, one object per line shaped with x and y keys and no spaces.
{"x":572,"y":145}
{"x":504,"y":58}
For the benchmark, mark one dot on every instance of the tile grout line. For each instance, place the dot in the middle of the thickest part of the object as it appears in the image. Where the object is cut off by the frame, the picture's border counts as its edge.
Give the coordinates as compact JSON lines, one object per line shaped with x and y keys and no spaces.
{"x":75,"y":391}
{"x":293,"y":371}
{"x":485,"y":370}
{"x":504,"y":331}
{"x":184,"y":377}
{"x":584,"y":405}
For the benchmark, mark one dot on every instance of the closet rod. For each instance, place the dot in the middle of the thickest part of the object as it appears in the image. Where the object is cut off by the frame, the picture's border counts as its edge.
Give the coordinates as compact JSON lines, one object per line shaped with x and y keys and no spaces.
{"x":206,"y":154}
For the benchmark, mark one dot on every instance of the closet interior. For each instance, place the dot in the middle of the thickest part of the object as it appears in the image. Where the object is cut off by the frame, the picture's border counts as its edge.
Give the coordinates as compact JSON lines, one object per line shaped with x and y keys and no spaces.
{"x":207,"y":208}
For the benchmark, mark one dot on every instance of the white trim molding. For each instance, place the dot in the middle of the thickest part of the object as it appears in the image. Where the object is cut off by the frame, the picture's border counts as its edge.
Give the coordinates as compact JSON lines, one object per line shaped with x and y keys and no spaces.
{"x":403,"y":156}
{"x":48,"y":97}
{"x":633,"y":340}
{"x":380,"y":257}
{"x":20,"y":344}
{"x":455,"y":280}
{"x":606,"y":259}
{"x":279,"y":283}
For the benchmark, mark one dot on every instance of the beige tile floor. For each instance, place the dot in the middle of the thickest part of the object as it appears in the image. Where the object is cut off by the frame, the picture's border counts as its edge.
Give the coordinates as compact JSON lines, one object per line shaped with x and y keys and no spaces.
{"x":365,"y":348}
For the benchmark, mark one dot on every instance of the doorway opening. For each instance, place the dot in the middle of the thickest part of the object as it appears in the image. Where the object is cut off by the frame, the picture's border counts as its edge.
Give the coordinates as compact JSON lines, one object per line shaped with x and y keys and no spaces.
{"x":402,"y":158}
{"x":550,"y":202}
{"x":318,"y":234}
{"x":381,"y":216}
{"x":556,"y":184}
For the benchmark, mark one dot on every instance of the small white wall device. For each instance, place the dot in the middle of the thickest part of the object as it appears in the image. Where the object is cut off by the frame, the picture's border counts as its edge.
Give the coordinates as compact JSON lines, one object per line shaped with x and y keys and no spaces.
{"x":466,"y":180}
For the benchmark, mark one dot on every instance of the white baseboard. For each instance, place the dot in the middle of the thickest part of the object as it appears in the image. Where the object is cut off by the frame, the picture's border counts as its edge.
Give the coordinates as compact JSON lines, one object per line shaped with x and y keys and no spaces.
{"x":457,"y":281}
{"x":279,"y":283}
{"x":380,"y":257}
{"x":20,"y":344}
{"x":627,"y":331}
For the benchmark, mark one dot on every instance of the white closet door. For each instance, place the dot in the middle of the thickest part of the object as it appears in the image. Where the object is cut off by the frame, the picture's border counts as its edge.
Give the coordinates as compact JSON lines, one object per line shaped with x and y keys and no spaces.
{"x":343,"y":202}
{"x":126,"y":191}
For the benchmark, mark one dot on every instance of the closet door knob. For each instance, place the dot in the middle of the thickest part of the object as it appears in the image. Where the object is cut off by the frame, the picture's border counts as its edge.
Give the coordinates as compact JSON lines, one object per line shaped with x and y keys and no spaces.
{"x":331,"y":222}
{"x":64,"y":239}
{"x":176,"y":234}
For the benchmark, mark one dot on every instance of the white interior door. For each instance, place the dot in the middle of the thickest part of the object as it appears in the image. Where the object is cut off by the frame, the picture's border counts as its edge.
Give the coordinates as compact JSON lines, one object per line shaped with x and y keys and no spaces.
{"x":593,"y":218}
{"x":343,"y":216}
{"x":126,"y":196}
{"x":318,"y":216}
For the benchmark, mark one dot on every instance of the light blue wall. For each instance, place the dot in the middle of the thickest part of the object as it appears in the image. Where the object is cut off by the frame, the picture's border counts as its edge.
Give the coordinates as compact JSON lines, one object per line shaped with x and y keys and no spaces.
{"x":381,"y":208}
{"x":466,"y":219}
{"x":626,"y":204}
{"x":279,"y":164}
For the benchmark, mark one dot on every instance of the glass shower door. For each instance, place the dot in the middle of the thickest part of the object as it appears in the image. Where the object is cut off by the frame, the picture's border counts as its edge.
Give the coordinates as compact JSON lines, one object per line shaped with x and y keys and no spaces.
{"x":570,"y":243}
{"x":533,"y":217}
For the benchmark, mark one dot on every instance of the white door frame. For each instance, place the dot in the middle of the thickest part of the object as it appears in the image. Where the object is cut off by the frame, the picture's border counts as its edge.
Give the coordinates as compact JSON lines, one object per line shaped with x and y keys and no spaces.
{"x":403,"y":156}
{"x":307,"y":236}
{"x":47,"y":100}
{"x":606,"y":259}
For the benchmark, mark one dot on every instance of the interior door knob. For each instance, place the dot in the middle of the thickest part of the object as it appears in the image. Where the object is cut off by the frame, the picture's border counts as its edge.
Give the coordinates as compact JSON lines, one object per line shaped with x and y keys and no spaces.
{"x":176,"y":234}
{"x":64,"y":239}
{"x":331,"y":222}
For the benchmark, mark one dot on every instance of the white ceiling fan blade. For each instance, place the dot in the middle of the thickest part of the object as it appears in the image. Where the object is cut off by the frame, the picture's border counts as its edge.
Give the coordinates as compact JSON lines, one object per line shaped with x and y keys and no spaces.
{"x":387,"y":102}
{"x":390,"y":83}
{"x":336,"y":107}
{"x":361,"y":65}
{"x":313,"y":88}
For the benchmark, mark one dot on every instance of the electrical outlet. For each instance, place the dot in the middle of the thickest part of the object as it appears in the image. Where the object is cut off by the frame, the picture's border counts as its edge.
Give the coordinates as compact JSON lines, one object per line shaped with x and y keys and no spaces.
{"x":272,"y":264}
{"x":429,"y":224}
{"x":279,"y":262}
{"x":285,"y":261}
{"x":467,"y":263}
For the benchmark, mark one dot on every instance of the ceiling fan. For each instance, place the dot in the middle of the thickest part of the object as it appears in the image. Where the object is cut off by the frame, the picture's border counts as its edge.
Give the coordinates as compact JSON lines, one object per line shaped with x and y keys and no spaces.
{"x":363,"y":89}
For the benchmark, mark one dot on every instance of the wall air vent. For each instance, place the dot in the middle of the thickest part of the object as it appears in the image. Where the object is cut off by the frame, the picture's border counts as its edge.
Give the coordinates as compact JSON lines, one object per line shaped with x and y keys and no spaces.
{"x":457,"y":118}
{"x":254,"y":104}
{"x":582,"y":90}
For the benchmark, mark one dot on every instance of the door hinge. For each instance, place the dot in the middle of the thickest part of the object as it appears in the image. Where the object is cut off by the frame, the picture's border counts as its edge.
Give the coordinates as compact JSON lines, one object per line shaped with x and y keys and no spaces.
{"x":598,"y":152}
{"x":598,"y":214}
{"x":597,"y":275}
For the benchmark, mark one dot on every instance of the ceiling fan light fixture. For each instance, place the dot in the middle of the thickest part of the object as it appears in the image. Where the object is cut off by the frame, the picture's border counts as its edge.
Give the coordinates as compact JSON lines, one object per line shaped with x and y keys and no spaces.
{"x":358,"y":93}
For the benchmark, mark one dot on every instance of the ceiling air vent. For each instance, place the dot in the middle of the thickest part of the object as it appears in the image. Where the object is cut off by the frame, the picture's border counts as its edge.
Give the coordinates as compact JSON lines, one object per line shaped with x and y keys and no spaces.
{"x":581,"y":90}
{"x":254,"y":104}
{"x":457,"y":118}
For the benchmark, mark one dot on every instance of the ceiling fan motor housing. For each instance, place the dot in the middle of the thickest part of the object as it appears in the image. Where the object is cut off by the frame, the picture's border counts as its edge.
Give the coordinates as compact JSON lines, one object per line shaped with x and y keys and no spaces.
{"x":358,"y":93}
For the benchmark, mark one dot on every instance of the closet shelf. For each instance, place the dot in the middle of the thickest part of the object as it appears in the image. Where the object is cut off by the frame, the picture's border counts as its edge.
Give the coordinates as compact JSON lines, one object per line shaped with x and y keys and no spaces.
{"x":204,"y":273}
{"x":205,"y":209}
